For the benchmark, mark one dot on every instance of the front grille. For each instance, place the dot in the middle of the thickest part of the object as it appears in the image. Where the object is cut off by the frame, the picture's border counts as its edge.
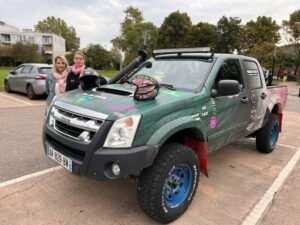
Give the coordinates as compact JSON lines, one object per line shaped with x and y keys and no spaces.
{"x":65,"y":150}
{"x":74,"y":125}
{"x":65,"y":128}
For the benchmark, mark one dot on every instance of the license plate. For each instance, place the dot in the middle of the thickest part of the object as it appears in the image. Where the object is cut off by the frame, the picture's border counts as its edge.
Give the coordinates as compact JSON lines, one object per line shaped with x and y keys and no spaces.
{"x":59,"y":158}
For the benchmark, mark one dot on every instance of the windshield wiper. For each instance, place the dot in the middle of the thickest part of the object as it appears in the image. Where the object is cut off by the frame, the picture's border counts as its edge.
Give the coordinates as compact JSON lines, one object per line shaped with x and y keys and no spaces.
{"x":168,"y":86}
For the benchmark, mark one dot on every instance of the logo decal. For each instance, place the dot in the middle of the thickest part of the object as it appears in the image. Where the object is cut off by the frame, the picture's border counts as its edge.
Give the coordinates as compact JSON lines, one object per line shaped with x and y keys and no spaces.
{"x":84,"y":98}
{"x":213,"y":122}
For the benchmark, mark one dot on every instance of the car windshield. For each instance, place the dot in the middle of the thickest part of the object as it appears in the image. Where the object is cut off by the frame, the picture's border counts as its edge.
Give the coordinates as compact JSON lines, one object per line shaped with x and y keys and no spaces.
{"x":184,"y":74}
{"x":45,"y":70}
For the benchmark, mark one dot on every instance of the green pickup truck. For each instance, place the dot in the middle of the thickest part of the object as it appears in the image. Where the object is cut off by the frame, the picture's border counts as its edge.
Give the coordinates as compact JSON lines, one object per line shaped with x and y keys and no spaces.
{"x":197,"y":102}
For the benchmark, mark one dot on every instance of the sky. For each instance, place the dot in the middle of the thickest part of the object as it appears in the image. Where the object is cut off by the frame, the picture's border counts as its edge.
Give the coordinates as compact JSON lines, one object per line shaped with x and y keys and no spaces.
{"x":98,"y":21}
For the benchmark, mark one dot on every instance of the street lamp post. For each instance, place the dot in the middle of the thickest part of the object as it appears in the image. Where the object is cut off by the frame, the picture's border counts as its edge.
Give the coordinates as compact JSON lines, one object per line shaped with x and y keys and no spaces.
{"x":270,"y":78}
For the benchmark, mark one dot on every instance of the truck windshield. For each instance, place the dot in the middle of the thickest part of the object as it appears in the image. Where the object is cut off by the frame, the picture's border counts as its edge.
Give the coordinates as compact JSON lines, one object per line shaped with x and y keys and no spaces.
{"x":184,"y":74}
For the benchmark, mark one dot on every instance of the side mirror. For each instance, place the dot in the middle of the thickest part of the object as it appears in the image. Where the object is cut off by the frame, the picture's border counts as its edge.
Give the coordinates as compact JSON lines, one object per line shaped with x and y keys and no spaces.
{"x":228,"y":87}
{"x":13,"y":72}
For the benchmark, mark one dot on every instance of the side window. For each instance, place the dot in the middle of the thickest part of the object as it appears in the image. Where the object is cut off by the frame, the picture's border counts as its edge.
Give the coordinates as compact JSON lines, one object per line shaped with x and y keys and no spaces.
{"x":27,"y":69}
{"x":19,"y":69}
{"x":253,"y":74}
{"x":231,"y":70}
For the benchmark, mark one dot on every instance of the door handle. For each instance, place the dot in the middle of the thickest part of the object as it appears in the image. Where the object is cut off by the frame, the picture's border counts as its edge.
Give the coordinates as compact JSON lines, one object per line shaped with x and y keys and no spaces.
{"x":263,"y":95}
{"x":244,"y":99}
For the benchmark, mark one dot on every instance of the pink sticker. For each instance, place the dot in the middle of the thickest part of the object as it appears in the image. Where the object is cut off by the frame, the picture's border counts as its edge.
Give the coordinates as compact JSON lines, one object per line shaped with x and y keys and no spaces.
{"x":213,"y":122}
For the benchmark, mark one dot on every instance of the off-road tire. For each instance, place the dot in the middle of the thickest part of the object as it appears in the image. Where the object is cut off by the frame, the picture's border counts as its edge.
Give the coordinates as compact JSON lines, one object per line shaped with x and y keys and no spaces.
{"x":266,"y":137}
{"x":152,"y":192}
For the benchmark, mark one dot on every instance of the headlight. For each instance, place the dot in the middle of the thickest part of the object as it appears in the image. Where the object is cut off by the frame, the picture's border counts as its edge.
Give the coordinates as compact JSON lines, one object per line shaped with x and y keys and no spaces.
{"x":122,"y":132}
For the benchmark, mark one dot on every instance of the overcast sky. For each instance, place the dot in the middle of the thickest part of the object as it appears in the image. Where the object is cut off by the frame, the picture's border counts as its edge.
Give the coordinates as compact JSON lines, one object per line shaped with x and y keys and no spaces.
{"x":98,"y":21}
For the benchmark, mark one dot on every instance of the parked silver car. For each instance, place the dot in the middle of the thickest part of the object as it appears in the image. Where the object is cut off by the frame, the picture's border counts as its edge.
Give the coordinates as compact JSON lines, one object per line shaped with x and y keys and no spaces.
{"x":28,"y":78}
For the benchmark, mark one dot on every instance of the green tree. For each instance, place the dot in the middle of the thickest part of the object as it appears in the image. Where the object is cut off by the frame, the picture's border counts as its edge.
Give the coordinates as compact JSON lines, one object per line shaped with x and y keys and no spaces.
{"x":133,"y":29}
{"x":202,"y":35}
{"x":229,"y":34}
{"x":292,"y":27}
{"x":24,"y":53}
{"x":116,"y":57}
{"x":60,"y":27}
{"x":174,"y":31}
{"x":133,"y":17}
{"x":97,"y":57}
{"x":263,"y":53}
{"x":263,"y":31}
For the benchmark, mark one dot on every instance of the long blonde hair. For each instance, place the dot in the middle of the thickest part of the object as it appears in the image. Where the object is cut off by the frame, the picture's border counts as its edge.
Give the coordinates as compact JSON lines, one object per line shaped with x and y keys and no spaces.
{"x":65,"y":61}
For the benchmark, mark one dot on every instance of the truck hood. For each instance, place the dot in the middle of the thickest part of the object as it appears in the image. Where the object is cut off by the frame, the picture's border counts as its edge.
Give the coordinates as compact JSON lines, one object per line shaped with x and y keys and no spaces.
{"x":116,"y":101}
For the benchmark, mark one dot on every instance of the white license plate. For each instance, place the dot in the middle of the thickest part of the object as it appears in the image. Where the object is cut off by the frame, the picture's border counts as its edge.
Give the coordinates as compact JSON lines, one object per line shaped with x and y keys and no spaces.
{"x":59,"y":158}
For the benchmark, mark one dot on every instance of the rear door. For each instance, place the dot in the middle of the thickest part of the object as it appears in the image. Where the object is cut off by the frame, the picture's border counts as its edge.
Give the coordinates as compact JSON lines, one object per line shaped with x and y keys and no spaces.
{"x":231,"y":113}
{"x":258,"y":95}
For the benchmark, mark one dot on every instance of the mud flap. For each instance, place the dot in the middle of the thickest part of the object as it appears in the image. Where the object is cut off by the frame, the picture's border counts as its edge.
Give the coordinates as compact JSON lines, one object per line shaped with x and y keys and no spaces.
{"x":201,"y":149}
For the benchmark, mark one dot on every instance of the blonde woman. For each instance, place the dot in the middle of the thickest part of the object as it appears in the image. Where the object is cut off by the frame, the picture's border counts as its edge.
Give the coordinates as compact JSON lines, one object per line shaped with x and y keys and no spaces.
{"x":77,"y":71}
{"x":56,"y":82}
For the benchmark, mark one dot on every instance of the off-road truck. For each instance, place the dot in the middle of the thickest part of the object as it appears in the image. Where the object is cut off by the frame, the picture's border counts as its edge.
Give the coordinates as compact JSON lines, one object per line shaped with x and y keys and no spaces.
{"x":199,"y":101}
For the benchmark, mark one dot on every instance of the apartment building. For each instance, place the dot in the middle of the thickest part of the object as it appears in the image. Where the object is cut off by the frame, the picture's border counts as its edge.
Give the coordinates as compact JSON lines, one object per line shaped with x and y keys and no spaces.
{"x":47,"y":43}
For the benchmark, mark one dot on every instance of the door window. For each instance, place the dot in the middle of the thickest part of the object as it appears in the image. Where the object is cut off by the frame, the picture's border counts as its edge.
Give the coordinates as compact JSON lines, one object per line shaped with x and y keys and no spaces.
{"x":19,"y":69}
{"x":27,"y":69}
{"x":253,"y":74}
{"x":230,"y":70}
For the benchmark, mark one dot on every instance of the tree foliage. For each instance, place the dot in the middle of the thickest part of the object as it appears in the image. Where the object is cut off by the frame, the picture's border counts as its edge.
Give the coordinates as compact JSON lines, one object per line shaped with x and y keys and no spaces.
{"x":18,"y":53}
{"x":132,"y":37}
{"x":60,"y":27}
{"x":263,"y":31}
{"x":229,"y":34}
{"x":174,"y":31}
{"x":202,"y":35}
{"x":98,"y":57}
{"x":292,"y":27}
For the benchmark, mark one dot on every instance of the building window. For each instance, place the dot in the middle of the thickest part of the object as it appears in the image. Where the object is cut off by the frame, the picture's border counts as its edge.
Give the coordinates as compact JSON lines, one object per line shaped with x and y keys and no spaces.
{"x":31,"y":39}
{"x":47,"y":39}
{"x":5,"y":37}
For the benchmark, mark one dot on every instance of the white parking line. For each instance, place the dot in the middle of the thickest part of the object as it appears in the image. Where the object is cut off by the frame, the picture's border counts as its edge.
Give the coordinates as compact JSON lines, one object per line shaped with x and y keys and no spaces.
{"x":259,"y":210}
{"x":288,"y":146}
{"x":29,"y":176}
{"x":16,"y":99}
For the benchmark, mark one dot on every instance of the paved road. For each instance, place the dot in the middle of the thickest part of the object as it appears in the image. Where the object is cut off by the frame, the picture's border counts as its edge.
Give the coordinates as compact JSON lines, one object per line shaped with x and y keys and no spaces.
{"x":20,"y":136}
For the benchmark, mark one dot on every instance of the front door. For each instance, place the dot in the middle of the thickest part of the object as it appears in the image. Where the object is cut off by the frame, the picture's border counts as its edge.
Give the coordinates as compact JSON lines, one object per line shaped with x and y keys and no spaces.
{"x":231,"y":113}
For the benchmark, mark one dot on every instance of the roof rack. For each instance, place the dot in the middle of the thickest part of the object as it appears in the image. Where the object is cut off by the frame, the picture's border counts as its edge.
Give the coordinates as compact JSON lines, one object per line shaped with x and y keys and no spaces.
{"x":179,"y":51}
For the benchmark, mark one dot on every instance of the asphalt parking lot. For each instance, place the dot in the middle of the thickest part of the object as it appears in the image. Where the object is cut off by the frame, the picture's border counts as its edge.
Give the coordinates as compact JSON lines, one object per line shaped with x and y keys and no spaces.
{"x":239,"y":179}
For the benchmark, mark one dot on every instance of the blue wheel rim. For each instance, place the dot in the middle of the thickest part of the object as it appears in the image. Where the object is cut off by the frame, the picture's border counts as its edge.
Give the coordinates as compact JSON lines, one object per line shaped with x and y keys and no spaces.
{"x":274,"y":134}
{"x":178,"y":185}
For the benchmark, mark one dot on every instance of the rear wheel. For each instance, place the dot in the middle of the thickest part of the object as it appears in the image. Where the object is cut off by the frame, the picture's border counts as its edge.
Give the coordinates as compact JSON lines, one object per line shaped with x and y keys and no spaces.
{"x":267,"y":136}
{"x":7,"y":86}
{"x":167,"y":188}
{"x":30,"y":92}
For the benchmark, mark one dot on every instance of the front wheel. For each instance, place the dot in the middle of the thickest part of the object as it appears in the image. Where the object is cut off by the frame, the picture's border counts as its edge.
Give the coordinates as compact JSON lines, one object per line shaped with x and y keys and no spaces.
{"x":166,"y":189}
{"x":7,"y":86}
{"x":266,"y":137}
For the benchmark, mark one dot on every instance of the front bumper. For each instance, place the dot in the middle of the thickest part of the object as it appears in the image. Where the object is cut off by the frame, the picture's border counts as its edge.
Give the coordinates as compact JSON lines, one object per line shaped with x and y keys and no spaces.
{"x":95,"y":162}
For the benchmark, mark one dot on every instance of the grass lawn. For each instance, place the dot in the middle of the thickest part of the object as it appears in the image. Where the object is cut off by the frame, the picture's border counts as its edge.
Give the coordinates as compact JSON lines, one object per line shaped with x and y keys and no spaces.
{"x":108,"y":73}
{"x":3,"y":73}
{"x":5,"y":70}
